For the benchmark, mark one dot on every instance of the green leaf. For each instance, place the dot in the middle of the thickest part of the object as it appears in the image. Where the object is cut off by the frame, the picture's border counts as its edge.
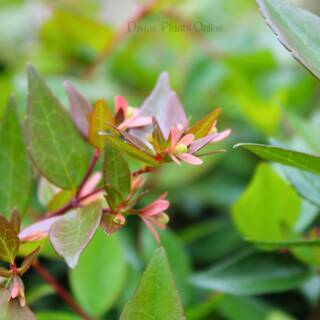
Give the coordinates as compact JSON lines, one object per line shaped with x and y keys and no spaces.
{"x":12,"y":310}
{"x":9,"y":241}
{"x":296,"y":29}
{"x":133,"y":151}
{"x":287,"y":157}
{"x":117,"y":176}
{"x":307,"y":184}
{"x":72,"y":233}
{"x":55,"y":145}
{"x":177,"y":256}
{"x":55,"y":315}
{"x":287,"y":244}
{"x":253,"y":273}
{"x":268,"y":209}
{"x":100,"y":275}
{"x":156,"y":296}
{"x":27,"y":261}
{"x":100,"y":119}
{"x":15,"y":168}
{"x":203,"y":126}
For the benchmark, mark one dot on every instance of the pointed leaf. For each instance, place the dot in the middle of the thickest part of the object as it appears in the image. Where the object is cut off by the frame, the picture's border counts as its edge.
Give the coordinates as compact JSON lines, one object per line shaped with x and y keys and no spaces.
{"x":296,"y":29}
{"x":100,"y":120}
{"x":80,"y":108}
{"x":100,"y":275}
{"x":9,"y":241}
{"x":250,"y":273}
{"x":27,"y":262}
{"x":116,"y":174}
{"x":55,"y":145}
{"x":15,"y":220}
{"x":72,"y":233}
{"x":203,"y":126}
{"x":164,"y":105}
{"x":268,"y":209}
{"x":15,"y":168}
{"x":122,"y":144}
{"x":156,"y":296}
{"x":300,"y":160}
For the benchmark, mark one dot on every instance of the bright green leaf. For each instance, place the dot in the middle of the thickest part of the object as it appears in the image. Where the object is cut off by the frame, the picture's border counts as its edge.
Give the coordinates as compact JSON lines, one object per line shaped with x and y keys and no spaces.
{"x":55,"y":315}
{"x":100,"y":275}
{"x":72,"y":233}
{"x":156,"y":296}
{"x":177,"y":256}
{"x":15,"y":169}
{"x":55,"y":145}
{"x":9,"y":241}
{"x":253,"y":273}
{"x":268,"y":209}
{"x":300,"y":160}
{"x":296,"y":29}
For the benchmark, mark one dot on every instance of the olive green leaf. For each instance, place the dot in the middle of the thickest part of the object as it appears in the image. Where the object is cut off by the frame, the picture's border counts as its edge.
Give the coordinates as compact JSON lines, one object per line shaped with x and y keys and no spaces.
{"x":15,"y":168}
{"x":55,"y":145}
{"x":9,"y":241}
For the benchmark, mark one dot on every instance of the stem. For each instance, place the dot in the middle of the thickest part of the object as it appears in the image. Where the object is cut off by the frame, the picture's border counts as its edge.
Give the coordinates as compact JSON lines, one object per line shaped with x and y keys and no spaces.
{"x":143,"y":170}
{"x":64,"y":295}
{"x":74,"y":202}
{"x":89,"y":171}
{"x":142,"y":12}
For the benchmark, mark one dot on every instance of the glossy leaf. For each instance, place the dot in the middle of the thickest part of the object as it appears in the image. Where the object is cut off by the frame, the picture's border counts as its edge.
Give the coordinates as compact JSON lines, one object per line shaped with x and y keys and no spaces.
{"x":156,"y":296}
{"x":72,"y":233}
{"x":253,"y":273}
{"x":296,"y":29}
{"x":268,"y":209}
{"x":100,"y":120}
{"x":300,"y":160}
{"x":117,"y":176}
{"x":100,"y":274}
{"x":9,"y":241}
{"x":55,"y":145}
{"x":203,"y":126}
{"x":80,"y":108}
{"x":15,"y":168}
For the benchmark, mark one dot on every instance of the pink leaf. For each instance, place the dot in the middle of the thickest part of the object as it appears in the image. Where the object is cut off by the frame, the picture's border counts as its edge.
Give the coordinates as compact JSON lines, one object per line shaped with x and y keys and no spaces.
{"x":120,"y":104}
{"x":158,"y":206}
{"x":164,"y":105}
{"x":211,"y":138}
{"x":80,"y":108}
{"x":38,"y":230}
{"x":191,"y":159}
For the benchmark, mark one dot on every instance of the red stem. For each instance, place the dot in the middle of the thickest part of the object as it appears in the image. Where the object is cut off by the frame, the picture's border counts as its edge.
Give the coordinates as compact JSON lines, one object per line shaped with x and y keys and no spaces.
{"x":64,"y":295}
{"x":143,"y":170}
{"x":89,"y":171}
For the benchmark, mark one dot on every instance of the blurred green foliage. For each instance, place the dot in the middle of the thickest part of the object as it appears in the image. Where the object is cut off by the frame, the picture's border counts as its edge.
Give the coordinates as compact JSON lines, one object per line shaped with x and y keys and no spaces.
{"x":264,"y":93}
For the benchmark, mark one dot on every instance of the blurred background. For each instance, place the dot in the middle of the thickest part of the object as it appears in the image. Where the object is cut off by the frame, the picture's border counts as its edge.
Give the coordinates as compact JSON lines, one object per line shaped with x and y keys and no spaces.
{"x":218,"y":53}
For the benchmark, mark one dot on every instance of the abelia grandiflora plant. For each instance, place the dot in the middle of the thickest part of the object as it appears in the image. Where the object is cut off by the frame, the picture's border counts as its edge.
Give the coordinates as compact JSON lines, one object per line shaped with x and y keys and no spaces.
{"x":81,"y":197}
